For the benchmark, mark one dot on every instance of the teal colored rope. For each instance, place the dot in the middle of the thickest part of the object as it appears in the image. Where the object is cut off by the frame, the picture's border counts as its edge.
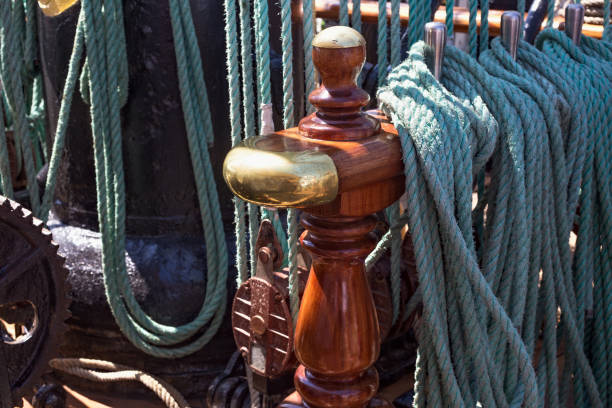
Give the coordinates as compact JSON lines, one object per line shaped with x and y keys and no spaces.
{"x":11,"y":52}
{"x":383,"y":38}
{"x":249,"y":112}
{"x":262,"y":52}
{"x":233,"y":80}
{"x":288,"y":121}
{"x":309,"y":29}
{"x":550,"y":14}
{"x":489,"y":388}
{"x":343,"y":15}
{"x":473,"y":28}
{"x":287,"y":59}
{"x":246,"y":58}
{"x":64,"y":115}
{"x":588,"y":74}
{"x":450,"y":25}
{"x":105,"y":49}
{"x":356,"y":16}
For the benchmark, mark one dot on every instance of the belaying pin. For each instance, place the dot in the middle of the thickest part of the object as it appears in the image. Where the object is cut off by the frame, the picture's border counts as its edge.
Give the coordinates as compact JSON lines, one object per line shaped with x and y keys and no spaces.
{"x":435,"y":38}
{"x":510,"y":30}
{"x":574,"y":18}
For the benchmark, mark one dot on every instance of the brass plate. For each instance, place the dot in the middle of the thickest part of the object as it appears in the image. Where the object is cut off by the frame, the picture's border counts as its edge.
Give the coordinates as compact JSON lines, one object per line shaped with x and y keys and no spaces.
{"x":282,"y":179}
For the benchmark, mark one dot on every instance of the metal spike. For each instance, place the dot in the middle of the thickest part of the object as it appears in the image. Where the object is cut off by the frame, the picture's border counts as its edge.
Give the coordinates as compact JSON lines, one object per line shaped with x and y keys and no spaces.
{"x":510,"y":30}
{"x":574,"y":18}
{"x":435,"y":38}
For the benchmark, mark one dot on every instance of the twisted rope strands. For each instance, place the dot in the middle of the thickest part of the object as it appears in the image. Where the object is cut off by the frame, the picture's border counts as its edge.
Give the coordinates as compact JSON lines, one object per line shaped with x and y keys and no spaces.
{"x":450,"y":25}
{"x":356,"y":16}
{"x":104,"y":43}
{"x":439,"y":195}
{"x":246,"y":57}
{"x":249,"y":109}
{"x":382,"y":42}
{"x":309,"y":71}
{"x":85,"y":368}
{"x":262,"y":53}
{"x":64,"y":115}
{"x":13,"y":88}
{"x":287,"y":57}
{"x":262,"y":50}
{"x":343,"y":14}
{"x":288,"y":120}
{"x":233,"y":80}
{"x":473,"y":28}
{"x":550,"y":13}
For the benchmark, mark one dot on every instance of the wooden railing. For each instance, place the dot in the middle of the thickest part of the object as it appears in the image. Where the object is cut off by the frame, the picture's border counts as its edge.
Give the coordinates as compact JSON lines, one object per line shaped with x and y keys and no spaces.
{"x":369,"y":14}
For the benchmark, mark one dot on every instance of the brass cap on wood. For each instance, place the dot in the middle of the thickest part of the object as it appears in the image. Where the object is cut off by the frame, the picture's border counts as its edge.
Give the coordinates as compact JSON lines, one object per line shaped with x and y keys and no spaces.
{"x":280,"y":178}
{"x":52,"y":8}
{"x":338,"y":37}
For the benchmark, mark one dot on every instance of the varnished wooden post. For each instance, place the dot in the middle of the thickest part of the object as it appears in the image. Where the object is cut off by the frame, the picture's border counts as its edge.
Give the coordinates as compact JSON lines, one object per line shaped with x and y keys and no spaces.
{"x":337,"y":338}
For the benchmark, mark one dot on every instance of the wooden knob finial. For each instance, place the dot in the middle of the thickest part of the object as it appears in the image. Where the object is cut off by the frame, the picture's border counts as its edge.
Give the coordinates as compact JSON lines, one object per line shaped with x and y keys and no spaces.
{"x":338,"y":54}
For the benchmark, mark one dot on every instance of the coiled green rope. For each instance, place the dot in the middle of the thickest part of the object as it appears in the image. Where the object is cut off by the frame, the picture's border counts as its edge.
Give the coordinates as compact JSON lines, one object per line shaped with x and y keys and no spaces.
{"x":100,"y":30}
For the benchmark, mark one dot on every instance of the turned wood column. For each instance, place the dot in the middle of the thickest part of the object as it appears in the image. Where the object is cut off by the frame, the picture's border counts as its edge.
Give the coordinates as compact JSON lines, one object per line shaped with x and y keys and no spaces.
{"x":340,"y":167}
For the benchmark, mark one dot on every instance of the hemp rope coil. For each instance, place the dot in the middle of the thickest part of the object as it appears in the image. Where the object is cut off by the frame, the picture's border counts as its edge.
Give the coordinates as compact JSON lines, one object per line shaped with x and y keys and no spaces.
{"x":111,"y":372}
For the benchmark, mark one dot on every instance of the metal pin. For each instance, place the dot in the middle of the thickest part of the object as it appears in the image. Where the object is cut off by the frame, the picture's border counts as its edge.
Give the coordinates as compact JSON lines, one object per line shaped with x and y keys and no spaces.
{"x":435,"y":38}
{"x":510,"y":29}
{"x":574,"y":18}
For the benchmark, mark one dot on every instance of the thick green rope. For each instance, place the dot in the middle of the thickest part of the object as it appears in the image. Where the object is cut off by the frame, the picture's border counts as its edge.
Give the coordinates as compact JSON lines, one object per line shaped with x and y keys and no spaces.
{"x":590,"y":76}
{"x":453,"y":384}
{"x":309,"y":29}
{"x":383,"y":38}
{"x":106,"y":72}
{"x":356,"y":16}
{"x":12,"y":54}
{"x":450,"y":25}
{"x":64,"y":114}
{"x":233,"y":80}
{"x":343,"y":13}
{"x":288,"y":121}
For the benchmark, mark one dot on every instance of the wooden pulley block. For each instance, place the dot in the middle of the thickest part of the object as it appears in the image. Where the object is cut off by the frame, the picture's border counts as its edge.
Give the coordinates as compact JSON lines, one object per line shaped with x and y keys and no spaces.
{"x":261,"y":317}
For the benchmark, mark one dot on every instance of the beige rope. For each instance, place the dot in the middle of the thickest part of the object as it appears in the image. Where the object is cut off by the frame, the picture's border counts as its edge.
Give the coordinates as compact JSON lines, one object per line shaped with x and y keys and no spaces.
{"x":85,"y":368}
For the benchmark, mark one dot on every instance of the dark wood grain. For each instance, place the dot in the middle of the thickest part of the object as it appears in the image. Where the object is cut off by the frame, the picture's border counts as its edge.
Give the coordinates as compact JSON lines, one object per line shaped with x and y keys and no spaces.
{"x":337,"y":339}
